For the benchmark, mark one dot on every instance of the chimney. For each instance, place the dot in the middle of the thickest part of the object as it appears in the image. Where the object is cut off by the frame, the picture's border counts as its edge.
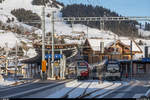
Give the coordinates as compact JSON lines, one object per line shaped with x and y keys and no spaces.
{"x":102,"y":47}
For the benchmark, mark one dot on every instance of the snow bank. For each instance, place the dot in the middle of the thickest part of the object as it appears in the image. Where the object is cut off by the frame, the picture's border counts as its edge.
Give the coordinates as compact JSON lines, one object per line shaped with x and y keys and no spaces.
{"x":143,"y":32}
{"x":6,"y":82}
{"x":31,"y":53}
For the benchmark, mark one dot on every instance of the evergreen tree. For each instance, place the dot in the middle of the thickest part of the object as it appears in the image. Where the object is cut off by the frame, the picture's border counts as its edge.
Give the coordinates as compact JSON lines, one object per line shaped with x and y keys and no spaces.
{"x":1,"y":1}
{"x":26,"y":16}
{"x":147,"y":26}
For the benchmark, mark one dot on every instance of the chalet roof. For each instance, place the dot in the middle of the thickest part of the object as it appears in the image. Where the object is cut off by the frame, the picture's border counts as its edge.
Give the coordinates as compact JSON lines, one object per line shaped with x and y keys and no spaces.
{"x":95,"y":44}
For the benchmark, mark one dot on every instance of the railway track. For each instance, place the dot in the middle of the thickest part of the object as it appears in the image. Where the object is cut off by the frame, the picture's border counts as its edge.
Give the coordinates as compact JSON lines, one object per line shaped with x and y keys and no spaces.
{"x":84,"y":93}
{"x":112,"y":90}
{"x":104,"y":93}
{"x":26,"y":90}
{"x":87,"y":95}
{"x":70,"y":92}
{"x":91,"y":92}
{"x":85,"y":90}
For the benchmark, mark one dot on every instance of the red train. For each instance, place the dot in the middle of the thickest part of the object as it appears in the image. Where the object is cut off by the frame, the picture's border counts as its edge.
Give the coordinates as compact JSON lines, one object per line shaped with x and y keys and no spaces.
{"x":82,"y":70}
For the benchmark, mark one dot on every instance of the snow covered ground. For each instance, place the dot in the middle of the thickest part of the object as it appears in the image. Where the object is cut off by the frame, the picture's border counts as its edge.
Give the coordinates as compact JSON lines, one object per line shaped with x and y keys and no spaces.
{"x":78,"y":91}
{"x":144,"y":33}
{"x":63,"y":91}
{"x":104,"y":90}
{"x":6,"y":82}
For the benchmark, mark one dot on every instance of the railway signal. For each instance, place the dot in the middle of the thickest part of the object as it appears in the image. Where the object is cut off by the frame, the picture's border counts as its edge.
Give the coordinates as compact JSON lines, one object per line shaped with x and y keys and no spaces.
{"x":44,"y":66}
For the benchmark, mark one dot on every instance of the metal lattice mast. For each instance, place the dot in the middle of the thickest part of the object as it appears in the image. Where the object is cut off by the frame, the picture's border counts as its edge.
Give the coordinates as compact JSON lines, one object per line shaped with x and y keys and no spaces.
{"x":131,"y":59}
{"x":52,"y":44}
{"x":6,"y":58}
{"x":43,"y":38}
{"x":16,"y":60}
{"x":43,"y":33}
{"x":48,"y":72}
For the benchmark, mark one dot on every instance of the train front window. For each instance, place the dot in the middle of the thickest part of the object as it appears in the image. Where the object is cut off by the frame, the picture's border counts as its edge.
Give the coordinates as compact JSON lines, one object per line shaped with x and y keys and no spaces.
{"x":82,"y":67}
{"x":112,"y":66}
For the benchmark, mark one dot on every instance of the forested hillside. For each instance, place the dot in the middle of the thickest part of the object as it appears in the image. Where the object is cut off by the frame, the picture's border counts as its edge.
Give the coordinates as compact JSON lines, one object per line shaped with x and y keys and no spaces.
{"x":1,"y":1}
{"x":147,"y":26}
{"x":125,"y":28}
{"x":51,"y":3}
{"x":26,"y":16}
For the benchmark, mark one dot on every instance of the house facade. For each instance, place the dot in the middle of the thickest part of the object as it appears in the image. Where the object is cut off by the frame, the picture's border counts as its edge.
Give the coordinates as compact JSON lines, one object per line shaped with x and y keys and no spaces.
{"x":96,"y":50}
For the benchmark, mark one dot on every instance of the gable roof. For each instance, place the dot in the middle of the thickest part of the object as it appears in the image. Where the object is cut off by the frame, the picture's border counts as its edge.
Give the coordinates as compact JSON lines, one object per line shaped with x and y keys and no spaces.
{"x":95,"y":44}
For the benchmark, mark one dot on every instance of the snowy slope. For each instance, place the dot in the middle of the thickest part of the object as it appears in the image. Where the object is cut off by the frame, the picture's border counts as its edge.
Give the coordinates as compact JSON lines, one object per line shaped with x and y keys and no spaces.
{"x":61,"y":28}
{"x":8,"y":37}
{"x":144,"y":33}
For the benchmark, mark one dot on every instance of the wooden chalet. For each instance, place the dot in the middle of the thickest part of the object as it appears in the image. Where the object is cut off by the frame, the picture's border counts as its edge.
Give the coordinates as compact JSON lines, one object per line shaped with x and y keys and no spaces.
{"x":96,"y":50}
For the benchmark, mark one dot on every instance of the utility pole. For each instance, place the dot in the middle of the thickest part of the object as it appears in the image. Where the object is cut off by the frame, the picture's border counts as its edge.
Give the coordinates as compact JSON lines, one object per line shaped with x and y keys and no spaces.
{"x":101,"y":25}
{"x":115,"y":45}
{"x":6,"y":58}
{"x":64,"y":66}
{"x":87,"y":28}
{"x":52,"y":63}
{"x":61,"y":65}
{"x":131,"y":59}
{"x":48,"y":57}
{"x":43,"y":36}
{"x":16,"y":60}
{"x":72,"y":24}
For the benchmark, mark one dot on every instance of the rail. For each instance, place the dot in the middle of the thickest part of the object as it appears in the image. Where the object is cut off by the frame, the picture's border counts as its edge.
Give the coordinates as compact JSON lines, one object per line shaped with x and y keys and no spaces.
{"x":107,"y":91}
{"x":67,"y":94}
{"x":89,"y":93}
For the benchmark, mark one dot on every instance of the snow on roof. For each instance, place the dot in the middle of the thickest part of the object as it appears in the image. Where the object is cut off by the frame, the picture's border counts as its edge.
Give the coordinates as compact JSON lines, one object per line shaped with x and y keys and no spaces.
{"x":31,"y":53}
{"x":128,"y":42}
{"x":73,"y":41}
{"x":95,"y":43}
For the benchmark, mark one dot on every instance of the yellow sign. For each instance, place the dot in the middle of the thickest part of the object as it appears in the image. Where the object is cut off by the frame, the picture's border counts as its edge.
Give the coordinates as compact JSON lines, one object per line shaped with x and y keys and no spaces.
{"x":44,"y":65}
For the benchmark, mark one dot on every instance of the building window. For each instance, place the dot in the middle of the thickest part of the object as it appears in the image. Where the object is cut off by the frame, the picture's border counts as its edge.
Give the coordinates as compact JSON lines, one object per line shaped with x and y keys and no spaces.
{"x":126,"y":48}
{"x":140,"y":68}
{"x":105,"y":57}
{"x":126,"y":57}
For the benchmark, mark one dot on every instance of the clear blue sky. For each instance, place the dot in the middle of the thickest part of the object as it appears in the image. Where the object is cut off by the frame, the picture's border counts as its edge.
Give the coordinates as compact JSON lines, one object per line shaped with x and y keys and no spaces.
{"x":123,"y":7}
